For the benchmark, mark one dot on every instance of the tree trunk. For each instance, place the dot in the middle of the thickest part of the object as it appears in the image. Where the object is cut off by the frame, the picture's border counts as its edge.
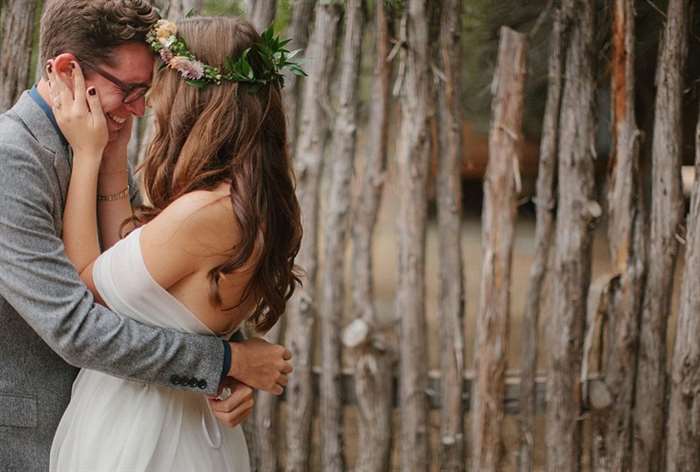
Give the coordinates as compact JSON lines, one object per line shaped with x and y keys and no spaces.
{"x":544,"y":230}
{"x":577,"y":210}
{"x":413,"y":155}
{"x":626,"y":244}
{"x":195,"y":6}
{"x":262,"y":13}
{"x":373,"y":373}
{"x":333,"y":298}
{"x":17,"y":22}
{"x":308,"y":164}
{"x":684,"y":408}
{"x":666,"y":216}
{"x":267,"y":419}
{"x":498,"y":223}
{"x":298,"y":32}
{"x":449,"y":200}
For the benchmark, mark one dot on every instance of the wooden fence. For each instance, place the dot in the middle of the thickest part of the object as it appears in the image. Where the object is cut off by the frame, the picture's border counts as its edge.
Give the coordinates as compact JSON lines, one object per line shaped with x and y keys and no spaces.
{"x":610,"y":403}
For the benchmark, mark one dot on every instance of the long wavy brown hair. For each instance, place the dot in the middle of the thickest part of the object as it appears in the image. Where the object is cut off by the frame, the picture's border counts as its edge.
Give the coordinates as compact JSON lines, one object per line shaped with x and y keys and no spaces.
{"x":228,"y":133}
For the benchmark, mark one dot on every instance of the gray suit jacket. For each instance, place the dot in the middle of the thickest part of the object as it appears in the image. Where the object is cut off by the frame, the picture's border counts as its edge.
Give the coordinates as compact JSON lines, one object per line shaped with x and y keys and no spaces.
{"x":49,"y":323}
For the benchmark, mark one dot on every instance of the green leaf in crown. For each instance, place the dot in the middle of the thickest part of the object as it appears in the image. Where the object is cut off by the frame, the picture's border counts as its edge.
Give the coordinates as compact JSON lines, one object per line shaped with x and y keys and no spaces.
{"x":270,"y":53}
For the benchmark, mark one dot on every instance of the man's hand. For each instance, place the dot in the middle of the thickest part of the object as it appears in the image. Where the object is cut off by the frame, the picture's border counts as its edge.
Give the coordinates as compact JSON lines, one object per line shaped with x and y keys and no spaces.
{"x":260,"y":364}
{"x":235,"y":408}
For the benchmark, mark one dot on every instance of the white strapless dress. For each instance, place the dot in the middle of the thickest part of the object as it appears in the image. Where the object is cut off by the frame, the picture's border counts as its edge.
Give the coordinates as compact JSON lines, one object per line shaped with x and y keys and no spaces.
{"x":118,"y":425}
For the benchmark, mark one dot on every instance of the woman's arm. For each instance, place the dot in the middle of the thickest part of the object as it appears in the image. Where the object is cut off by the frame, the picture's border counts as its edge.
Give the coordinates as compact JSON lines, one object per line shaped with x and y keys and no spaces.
{"x":113,"y":204}
{"x":80,"y":117}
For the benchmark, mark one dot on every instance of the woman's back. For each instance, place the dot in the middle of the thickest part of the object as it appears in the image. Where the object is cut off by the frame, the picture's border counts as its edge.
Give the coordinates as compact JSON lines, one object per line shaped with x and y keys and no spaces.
{"x":201,"y":229}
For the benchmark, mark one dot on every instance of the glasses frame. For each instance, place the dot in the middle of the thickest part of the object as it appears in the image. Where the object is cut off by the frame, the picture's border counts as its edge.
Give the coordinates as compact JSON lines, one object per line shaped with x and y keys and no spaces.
{"x":126,"y":89}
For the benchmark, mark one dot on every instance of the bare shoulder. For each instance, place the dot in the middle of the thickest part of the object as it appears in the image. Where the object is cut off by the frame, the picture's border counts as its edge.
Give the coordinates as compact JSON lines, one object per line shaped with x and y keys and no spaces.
{"x":199,"y":223}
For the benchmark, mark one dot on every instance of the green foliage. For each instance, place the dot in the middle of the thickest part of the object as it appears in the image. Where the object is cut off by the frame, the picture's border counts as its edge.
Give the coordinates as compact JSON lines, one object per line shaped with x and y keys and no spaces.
{"x":223,"y":8}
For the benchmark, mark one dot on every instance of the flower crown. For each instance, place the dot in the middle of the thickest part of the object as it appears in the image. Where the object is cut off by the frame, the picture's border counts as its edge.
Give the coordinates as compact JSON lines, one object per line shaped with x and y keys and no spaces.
{"x":270,"y":50}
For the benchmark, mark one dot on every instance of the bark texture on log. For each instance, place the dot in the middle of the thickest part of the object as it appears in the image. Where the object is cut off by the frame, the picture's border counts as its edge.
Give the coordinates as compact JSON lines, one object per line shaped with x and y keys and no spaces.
{"x":266,"y":417}
{"x":576,"y":212}
{"x":626,"y":238}
{"x":298,"y":32}
{"x":413,"y":158}
{"x":544,"y":230}
{"x":684,"y":408}
{"x":373,"y":374}
{"x":308,"y":165}
{"x":17,"y":22}
{"x":498,"y":225}
{"x":262,"y":13}
{"x":336,"y":226}
{"x":665,"y":218}
{"x":449,"y":201}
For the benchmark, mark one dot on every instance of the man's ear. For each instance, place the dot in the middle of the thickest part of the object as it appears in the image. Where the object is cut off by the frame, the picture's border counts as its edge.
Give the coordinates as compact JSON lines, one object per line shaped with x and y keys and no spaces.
{"x":63,"y":67}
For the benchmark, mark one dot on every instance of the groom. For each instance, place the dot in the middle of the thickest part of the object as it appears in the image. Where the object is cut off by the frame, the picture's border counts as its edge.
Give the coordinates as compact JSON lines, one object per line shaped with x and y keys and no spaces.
{"x":49,"y":322}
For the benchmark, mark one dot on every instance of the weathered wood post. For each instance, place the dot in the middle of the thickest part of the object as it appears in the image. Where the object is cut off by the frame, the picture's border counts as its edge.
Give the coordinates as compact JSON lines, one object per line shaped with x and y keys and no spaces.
{"x":449,"y":202}
{"x":413,"y":158}
{"x":498,"y":226}
{"x":545,"y":202}
{"x":261,"y":13}
{"x":308,"y":165}
{"x":576,"y":212}
{"x":626,"y":242}
{"x":364,"y":335}
{"x":682,"y":452}
{"x":298,"y":32}
{"x":666,"y":216}
{"x":336,"y":228}
{"x":17,"y":26}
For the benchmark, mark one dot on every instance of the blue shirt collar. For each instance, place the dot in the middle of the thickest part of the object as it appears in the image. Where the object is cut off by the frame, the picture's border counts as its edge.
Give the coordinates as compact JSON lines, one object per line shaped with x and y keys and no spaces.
{"x":34,"y":93}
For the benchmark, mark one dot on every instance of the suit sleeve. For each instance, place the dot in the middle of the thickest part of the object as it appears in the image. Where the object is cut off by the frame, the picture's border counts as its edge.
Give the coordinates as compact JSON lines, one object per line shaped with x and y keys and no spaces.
{"x":39,"y":282}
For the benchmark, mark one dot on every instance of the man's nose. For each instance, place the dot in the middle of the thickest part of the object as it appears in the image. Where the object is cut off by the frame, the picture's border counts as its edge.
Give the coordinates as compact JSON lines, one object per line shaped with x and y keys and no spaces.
{"x":137,"y":107}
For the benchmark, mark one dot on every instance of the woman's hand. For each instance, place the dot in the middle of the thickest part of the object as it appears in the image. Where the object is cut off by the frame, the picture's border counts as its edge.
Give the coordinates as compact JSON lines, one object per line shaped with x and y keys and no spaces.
{"x":233,"y":406}
{"x":79,"y":113}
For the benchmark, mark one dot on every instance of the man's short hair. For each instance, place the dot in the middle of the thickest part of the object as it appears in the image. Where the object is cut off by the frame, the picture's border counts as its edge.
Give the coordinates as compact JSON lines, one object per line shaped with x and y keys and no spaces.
{"x":92,"y":29}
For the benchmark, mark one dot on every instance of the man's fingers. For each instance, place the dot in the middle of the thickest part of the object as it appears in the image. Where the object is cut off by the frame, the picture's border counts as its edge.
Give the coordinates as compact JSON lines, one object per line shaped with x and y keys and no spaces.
{"x":282,"y":380}
{"x":287,"y":368}
{"x":287,"y":355}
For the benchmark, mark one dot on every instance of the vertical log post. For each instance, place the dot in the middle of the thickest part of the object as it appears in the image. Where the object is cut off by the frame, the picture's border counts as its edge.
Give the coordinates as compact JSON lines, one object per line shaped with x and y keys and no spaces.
{"x":666,"y":216}
{"x":308,"y":165}
{"x":498,"y":226}
{"x":613,"y":426}
{"x":545,"y":202}
{"x":577,"y":210}
{"x":298,"y":32}
{"x":336,"y":222}
{"x":17,"y":22}
{"x":262,"y":13}
{"x":413,"y":155}
{"x":449,"y":201}
{"x":371,"y":354}
{"x":684,"y":409}
{"x":267,"y":405}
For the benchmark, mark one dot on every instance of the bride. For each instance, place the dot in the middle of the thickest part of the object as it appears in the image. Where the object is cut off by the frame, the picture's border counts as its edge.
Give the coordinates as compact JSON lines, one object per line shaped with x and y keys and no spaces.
{"x":214,"y":248}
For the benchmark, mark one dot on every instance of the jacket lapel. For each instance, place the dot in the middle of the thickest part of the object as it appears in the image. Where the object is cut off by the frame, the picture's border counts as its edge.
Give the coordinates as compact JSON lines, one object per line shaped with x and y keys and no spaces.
{"x":44,"y":132}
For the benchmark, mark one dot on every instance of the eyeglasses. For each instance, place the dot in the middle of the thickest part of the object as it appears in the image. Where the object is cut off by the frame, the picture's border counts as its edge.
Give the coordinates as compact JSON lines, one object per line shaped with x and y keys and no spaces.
{"x":132,"y":92}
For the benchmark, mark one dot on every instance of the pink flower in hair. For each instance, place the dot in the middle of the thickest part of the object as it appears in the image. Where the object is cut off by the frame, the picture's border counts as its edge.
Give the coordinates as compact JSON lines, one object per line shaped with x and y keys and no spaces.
{"x":192,"y":70}
{"x":166,"y":55}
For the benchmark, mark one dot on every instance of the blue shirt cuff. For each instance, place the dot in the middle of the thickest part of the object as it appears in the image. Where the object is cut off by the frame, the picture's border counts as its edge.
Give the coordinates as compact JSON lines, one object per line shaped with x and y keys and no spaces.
{"x":227,"y":361}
